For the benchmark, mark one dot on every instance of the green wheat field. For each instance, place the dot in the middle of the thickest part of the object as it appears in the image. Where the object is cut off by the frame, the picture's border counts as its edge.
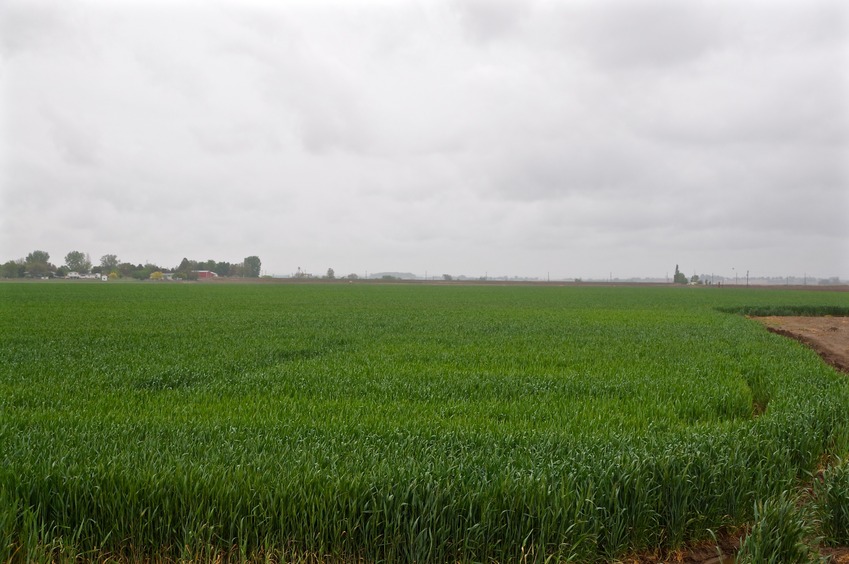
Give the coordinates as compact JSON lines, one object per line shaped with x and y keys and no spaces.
{"x":400,"y":423}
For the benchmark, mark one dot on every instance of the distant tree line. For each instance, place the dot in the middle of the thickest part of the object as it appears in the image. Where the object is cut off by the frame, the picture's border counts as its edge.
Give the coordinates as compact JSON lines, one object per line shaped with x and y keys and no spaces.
{"x":37,"y":265}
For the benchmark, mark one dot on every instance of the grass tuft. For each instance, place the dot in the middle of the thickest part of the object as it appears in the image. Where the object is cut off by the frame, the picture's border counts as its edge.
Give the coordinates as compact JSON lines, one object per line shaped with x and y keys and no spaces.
{"x":831,"y":502}
{"x":781,"y":533}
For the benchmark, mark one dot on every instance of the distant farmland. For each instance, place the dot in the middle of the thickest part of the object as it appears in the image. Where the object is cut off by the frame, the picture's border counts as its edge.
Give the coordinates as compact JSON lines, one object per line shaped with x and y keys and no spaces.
{"x":399,"y":423}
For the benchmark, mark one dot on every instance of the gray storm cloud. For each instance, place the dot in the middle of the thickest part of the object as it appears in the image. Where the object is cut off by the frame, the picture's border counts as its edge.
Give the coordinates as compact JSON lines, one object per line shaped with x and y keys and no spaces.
{"x":452,"y":136}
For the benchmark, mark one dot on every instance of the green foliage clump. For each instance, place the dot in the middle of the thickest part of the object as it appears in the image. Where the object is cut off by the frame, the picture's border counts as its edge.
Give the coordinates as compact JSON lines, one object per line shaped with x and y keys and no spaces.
{"x":784,"y":310}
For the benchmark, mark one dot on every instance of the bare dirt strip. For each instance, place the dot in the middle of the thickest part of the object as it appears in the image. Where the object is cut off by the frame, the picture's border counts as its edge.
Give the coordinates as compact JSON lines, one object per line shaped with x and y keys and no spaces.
{"x":829,"y":336}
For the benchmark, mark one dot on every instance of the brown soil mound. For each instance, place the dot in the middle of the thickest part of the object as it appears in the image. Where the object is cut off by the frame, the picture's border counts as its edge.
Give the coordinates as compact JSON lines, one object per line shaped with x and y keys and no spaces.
{"x":828,"y":336}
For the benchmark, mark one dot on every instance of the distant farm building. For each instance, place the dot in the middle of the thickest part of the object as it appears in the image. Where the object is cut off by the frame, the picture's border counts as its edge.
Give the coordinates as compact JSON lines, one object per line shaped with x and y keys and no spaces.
{"x":204,"y":274}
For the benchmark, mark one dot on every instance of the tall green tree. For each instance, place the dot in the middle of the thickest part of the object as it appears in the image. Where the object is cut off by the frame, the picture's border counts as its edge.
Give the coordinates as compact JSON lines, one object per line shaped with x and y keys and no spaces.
{"x":187,"y":265}
{"x":126,"y":269}
{"x":78,"y":262}
{"x":680,"y":277}
{"x":109,"y":263}
{"x":37,"y":256}
{"x":38,"y":264}
{"x":12,"y":269}
{"x":253,"y":266}
{"x":222,"y":268}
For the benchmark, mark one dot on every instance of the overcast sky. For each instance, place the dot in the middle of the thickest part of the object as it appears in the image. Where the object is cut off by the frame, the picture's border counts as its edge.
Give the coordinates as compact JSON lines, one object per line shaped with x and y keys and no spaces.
{"x":570,"y":138}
